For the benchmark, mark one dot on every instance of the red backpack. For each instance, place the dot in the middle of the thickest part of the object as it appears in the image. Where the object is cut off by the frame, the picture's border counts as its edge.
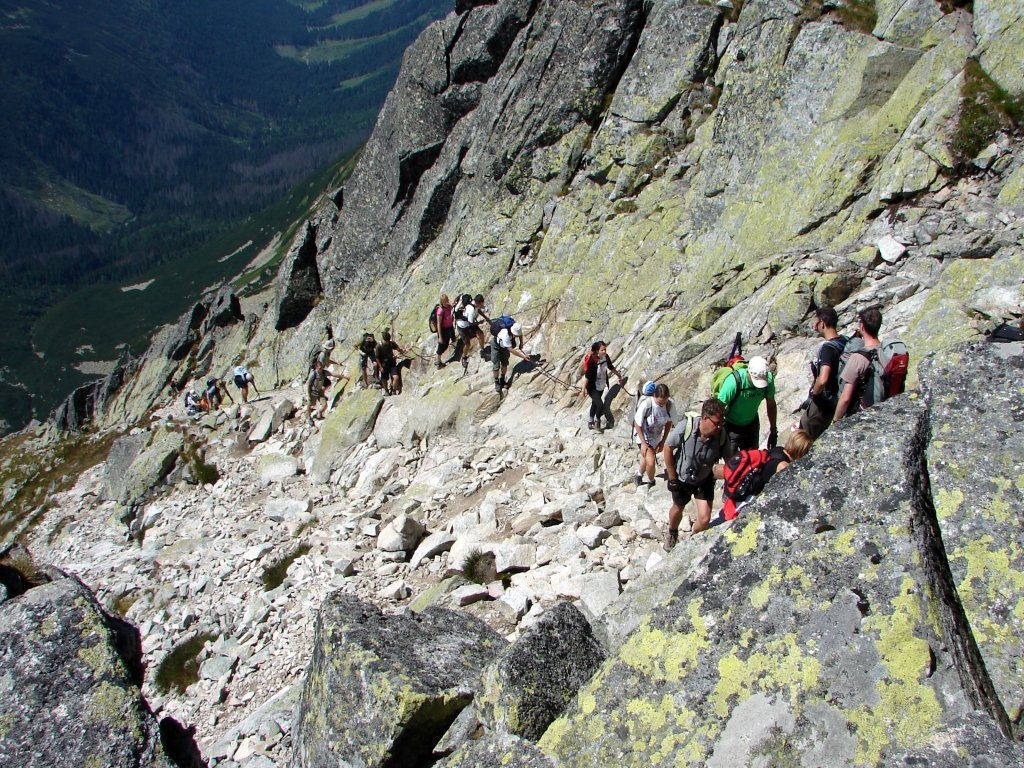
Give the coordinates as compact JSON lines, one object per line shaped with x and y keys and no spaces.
{"x":743,"y":478}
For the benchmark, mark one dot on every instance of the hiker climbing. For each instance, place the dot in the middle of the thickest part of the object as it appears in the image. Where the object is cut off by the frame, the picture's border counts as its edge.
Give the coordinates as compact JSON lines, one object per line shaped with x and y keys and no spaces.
{"x":595,"y":367}
{"x":507,"y":340}
{"x":747,"y":472}
{"x":742,"y":387}
{"x":214,"y":394}
{"x":651,"y":426}
{"x":367,"y":348}
{"x":322,"y":353}
{"x":870,"y":370}
{"x":243,"y":380}
{"x":442,"y":323}
{"x":468,"y":317}
{"x":317,"y":383}
{"x":691,"y":451}
{"x":820,"y":405}
{"x":389,"y":365}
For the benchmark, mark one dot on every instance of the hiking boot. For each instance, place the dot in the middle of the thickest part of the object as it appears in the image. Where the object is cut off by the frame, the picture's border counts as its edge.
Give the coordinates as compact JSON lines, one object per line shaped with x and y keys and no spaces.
{"x":497,"y":386}
{"x":650,"y":483}
{"x":440,"y":364}
{"x":638,"y":480}
{"x":670,"y":540}
{"x":591,"y":425}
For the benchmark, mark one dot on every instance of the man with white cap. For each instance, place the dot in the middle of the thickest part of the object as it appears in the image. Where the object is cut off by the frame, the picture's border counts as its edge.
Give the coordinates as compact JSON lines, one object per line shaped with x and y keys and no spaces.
{"x":742,"y":394}
{"x":503,"y":346}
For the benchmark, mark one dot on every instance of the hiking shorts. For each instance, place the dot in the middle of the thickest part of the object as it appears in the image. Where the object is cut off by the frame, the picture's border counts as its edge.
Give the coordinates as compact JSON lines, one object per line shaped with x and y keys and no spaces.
{"x":744,"y":438}
{"x":817,"y":417}
{"x":388,"y":368}
{"x":241,"y":382}
{"x":499,"y":356}
{"x":704,"y":492}
{"x":447,"y":337}
{"x":468,"y":333}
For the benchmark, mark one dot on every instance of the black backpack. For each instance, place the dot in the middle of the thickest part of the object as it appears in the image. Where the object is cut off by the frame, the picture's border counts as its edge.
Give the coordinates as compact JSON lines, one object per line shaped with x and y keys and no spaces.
{"x":432,"y":320}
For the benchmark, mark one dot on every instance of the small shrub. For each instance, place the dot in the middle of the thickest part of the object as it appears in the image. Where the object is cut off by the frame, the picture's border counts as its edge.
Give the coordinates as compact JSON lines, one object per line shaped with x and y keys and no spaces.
{"x":123,"y":603}
{"x":858,"y":15}
{"x":478,"y":567}
{"x":204,"y":474}
{"x":985,"y":109}
{"x":180,"y":668}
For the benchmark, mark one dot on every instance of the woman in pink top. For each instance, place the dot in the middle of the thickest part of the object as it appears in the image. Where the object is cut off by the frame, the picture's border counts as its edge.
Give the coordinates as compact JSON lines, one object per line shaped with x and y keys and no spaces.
{"x":445,"y":327}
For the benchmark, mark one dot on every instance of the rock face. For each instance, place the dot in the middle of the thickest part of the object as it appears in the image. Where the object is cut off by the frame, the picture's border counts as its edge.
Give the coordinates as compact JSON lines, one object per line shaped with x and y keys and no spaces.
{"x":382,"y":690}
{"x":70,"y":689}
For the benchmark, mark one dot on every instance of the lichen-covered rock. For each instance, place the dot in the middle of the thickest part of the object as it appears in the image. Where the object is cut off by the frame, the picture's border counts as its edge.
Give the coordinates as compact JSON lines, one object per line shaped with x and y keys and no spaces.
{"x":140,"y":462}
{"x":533,"y":680}
{"x":976,"y":463}
{"x":382,"y":690}
{"x":348,"y":424}
{"x":69,"y":693}
{"x":822,"y":627}
{"x":497,"y":751}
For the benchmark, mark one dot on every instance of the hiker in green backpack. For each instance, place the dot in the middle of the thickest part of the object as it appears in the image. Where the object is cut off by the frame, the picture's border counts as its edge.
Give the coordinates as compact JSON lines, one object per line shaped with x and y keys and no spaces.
{"x":742,"y":394}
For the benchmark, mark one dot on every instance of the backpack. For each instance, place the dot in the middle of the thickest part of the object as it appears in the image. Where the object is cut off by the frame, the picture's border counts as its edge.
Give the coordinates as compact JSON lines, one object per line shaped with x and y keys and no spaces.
{"x":744,"y":477}
{"x":692,"y":417}
{"x":722,"y":374}
{"x":886,"y":376}
{"x":368,"y":345}
{"x":502,"y":323}
{"x":314,"y":353}
{"x":839,"y":345}
{"x":459,"y":311}
{"x":191,"y":403}
{"x":432,"y":320}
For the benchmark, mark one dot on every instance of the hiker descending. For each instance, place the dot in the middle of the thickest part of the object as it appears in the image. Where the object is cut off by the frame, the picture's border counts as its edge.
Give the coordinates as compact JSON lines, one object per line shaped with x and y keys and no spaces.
{"x":367,"y":348}
{"x":595,"y":367}
{"x":820,"y":405}
{"x":389,"y":365}
{"x":742,"y":391}
{"x":870,"y":370}
{"x":442,"y":323}
{"x":214,"y":394}
{"x":243,"y":380}
{"x":507,"y":341}
{"x":747,"y":472}
{"x":651,"y":426}
{"x":468,"y":317}
{"x":691,"y":451}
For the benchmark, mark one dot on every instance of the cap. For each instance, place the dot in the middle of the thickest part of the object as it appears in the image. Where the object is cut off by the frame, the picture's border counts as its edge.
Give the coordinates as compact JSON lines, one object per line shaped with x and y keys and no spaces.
{"x":517,"y":329}
{"x":757,"y":372}
{"x":649,"y":388}
{"x":329,"y":345}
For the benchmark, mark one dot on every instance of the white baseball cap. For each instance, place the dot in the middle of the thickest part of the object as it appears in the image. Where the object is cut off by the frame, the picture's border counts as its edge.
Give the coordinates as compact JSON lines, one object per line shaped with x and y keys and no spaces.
{"x":757,"y":372}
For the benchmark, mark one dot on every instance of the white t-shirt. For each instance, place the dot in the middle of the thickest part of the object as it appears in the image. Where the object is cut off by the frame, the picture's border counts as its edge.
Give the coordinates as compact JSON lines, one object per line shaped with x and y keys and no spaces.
{"x":652,"y":418}
{"x":601,"y":378}
{"x":504,"y":339}
{"x":240,"y":370}
{"x":470,"y":316}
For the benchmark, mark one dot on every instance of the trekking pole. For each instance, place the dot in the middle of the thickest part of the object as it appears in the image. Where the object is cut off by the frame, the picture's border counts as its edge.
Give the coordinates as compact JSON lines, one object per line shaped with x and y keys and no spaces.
{"x":737,"y":345}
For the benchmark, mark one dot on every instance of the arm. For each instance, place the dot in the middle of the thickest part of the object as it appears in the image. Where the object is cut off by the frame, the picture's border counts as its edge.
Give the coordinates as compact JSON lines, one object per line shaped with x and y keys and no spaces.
{"x":819,"y":383}
{"x":773,"y":413}
{"x":664,"y":434}
{"x":718,"y":471}
{"x":845,"y":398}
{"x":519,"y":353}
{"x":670,"y":466}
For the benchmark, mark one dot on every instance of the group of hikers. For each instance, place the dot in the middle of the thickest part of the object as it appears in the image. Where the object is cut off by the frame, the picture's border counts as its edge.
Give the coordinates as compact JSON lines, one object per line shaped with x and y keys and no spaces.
{"x":720,"y":442}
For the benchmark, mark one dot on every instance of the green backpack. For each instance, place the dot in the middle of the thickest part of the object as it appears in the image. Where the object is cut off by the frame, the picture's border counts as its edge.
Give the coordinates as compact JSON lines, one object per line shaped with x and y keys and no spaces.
{"x":720,"y":376}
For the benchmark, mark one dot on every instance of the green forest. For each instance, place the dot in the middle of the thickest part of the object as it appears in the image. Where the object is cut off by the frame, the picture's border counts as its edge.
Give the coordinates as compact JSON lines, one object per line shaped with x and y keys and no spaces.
{"x":140,"y":135}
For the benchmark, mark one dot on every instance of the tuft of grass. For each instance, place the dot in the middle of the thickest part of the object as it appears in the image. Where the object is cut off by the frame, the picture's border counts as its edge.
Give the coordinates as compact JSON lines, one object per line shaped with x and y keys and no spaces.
{"x":123,"y":603}
{"x":985,"y":109}
{"x":273,"y":575}
{"x":858,"y":15}
{"x":205,"y":474}
{"x":180,"y":668}
{"x":478,"y":567}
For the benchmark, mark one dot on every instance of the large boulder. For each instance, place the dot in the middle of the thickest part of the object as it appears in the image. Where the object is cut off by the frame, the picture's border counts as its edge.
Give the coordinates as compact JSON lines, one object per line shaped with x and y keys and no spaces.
{"x":69,"y":694}
{"x":535,"y":678}
{"x":138,"y":463}
{"x":822,"y":626}
{"x":382,"y":690}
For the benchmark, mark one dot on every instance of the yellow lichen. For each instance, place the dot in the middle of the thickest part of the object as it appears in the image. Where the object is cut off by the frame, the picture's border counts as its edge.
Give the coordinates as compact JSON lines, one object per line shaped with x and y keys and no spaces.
{"x":948,"y":503}
{"x":781,"y":668}
{"x":745,"y":542}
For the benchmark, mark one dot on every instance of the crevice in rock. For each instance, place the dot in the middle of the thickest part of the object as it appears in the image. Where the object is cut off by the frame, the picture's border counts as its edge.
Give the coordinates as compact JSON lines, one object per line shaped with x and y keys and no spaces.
{"x":411,"y":168}
{"x":301,"y":282}
{"x":435,"y":212}
{"x":967,"y":658}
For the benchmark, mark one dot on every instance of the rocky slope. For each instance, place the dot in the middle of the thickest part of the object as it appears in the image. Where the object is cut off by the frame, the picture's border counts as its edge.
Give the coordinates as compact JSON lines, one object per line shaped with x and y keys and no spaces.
{"x":661,"y":175}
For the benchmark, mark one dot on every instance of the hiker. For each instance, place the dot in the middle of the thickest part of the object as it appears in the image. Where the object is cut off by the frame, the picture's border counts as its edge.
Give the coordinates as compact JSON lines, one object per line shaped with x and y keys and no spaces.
{"x":390,"y":367}
{"x":444,"y":323}
{"x":317,"y":384}
{"x":367,"y":349}
{"x":595,"y":367}
{"x":503,"y":346}
{"x":690,"y":454}
{"x":323,"y":355}
{"x":214,"y":394}
{"x":742,"y":393}
{"x":871,"y":371}
{"x":820,"y":406}
{"x":243,"y":379}
{"x":467,"y":324}
{"x":192,"y":405}
{"x":651,"y":426}
{"x":747,"y":472}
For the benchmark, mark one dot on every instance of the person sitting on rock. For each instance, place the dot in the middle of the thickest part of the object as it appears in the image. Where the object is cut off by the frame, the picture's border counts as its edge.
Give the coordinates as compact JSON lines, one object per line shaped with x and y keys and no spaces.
{"x":651,"y":426}
{"x":691,"y":451}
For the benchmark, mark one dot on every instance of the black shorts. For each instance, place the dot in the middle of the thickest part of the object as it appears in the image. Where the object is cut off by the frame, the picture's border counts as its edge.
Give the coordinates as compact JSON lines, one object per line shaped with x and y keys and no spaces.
{"x":704,"y":492}
{"x":388,"y":368}
{"x":468,"y":333}
{"x":744,"y":437}
{"x":240,"y":382}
